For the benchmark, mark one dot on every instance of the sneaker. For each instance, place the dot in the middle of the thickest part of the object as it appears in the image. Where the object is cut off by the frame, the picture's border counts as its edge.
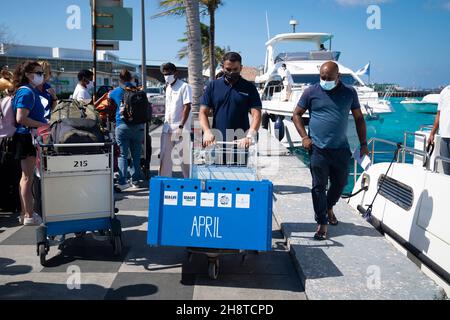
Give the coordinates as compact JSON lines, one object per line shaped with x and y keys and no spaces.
{"x":34,"y":221}
{"x":37,"y":218}
{"x":21,"y":219}
{"x":123,"y":187}
{"x":137,"y":184}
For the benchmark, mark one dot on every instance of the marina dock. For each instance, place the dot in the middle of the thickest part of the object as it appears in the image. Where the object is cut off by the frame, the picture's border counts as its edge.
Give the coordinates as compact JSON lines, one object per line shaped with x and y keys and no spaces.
{"x":357,"y":262}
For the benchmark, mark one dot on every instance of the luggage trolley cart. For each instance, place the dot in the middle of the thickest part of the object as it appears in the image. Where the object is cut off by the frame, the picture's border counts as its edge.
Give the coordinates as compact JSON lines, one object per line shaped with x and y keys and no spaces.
{"x":223,"y":209}
{"x":77,"y":195}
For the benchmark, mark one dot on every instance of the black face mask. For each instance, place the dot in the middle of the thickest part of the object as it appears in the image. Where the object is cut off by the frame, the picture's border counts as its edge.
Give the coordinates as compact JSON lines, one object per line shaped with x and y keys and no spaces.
{"x":232,"y":77}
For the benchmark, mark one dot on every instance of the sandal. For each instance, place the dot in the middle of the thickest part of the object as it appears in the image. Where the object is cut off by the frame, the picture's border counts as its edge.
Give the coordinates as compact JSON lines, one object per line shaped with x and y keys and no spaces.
{"x":333,"y":221}
{"x":320,"y":236}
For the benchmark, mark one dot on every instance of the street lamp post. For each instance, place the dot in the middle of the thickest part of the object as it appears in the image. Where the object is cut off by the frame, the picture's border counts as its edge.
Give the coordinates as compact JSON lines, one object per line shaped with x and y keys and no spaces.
{"x":144,"y":62}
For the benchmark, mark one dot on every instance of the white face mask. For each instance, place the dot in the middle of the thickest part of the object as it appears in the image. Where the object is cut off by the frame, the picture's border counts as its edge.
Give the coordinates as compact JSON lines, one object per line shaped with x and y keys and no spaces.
{"x":90,"y":85}
{"x":38,"y":80}
{"x":170,"y":79}
{"x":328,"y":85}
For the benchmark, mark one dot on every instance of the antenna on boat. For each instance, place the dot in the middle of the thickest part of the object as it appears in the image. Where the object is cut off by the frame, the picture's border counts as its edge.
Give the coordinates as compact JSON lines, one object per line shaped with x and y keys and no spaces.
{"x":293,"y":23}
{"x":267,"y":24}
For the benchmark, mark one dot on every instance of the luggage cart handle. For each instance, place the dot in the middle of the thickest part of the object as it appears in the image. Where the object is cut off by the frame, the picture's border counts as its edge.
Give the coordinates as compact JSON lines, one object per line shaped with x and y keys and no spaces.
{"x":228,"y":143}
{"x":80,"y":145}
{"x":72,"y":145}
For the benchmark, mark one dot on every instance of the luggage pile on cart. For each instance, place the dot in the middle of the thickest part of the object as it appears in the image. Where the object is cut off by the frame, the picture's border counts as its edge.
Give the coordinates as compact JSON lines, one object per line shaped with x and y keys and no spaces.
{"x":223,"y":209}
{"x":75,"y":171}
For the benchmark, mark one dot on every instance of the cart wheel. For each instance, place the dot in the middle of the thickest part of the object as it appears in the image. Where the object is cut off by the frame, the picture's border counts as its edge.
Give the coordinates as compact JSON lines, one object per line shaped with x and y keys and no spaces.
{"x":213,"y":269}
{"x":42,"y":254}
{"x":117,"y":246}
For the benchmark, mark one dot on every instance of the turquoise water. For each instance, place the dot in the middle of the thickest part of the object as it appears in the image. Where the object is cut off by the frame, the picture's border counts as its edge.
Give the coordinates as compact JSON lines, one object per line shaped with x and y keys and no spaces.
{"x":389,"y":127}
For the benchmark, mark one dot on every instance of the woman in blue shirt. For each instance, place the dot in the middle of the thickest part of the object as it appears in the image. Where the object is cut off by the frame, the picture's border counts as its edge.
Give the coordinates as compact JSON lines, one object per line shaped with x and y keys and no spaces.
{"x":46,"y":92}
{"x":29,"y":115}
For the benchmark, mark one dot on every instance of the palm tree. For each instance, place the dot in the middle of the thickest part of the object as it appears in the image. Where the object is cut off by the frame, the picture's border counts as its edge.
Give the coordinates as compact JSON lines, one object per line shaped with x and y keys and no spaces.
{"x":195,"y":64}
{"x":209,"y":7}
{"x":218,"y":52}
{"x":212,"y":6}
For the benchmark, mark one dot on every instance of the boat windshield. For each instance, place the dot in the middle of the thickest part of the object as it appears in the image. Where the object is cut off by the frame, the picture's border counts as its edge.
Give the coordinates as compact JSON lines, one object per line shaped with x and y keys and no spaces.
{"x":313,"y":55}
{"x":309,"y":79}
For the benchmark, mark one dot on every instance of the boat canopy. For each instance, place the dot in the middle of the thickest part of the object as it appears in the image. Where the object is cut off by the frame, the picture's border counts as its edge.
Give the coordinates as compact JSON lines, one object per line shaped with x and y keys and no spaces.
{"x":318,"y":38}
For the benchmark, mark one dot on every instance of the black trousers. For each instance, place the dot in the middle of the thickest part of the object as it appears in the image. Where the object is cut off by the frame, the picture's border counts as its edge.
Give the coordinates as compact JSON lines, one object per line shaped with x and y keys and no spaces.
{"x":328,"y":165}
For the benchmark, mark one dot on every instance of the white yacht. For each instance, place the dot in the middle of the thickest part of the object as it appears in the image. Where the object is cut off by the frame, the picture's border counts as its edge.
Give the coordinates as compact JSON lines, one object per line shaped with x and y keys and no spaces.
{"x":408,"y":202}
{"x":305,"y":70}
{"x":429,"y":104}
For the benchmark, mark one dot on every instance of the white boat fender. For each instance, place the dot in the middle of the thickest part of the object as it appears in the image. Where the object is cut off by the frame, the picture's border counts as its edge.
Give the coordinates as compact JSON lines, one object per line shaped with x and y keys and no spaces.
{"x":367,"y":213}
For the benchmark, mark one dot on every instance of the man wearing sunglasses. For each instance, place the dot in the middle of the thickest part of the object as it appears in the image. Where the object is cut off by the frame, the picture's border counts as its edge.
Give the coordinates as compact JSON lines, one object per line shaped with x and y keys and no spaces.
{"x":329,"y":104}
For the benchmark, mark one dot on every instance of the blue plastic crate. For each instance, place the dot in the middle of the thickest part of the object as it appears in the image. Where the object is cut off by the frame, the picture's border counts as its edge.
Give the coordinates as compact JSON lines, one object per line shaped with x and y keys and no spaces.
{"x":235,"y":215}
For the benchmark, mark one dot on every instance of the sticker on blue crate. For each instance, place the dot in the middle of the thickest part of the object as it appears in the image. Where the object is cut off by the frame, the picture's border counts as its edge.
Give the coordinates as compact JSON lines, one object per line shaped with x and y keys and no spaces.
{"x":207,"y":200}
{"x":170,"y":198}
{"x":189,"y":199}
{"x":243,"y":201}
{"x":225,"y":200}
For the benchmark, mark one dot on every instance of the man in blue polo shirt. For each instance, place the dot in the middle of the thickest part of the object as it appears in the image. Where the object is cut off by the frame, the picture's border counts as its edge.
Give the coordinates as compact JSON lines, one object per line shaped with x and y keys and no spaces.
{"x":231,"y":98}
{"x":329,"y":104}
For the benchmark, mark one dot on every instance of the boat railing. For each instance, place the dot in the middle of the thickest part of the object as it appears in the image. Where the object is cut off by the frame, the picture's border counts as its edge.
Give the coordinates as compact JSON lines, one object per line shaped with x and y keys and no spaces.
{"x":388,"y":94}
{"x":441,"y":159}
{"x":414,"y":134}
{"x":270,"y":90}
{"x":401,"y":158}
{"x":426,"y":126}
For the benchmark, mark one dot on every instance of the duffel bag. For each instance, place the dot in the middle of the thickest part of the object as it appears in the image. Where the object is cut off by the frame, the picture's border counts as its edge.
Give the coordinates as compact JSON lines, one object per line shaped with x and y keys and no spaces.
{"x":77,"y":131}
{"x":73,"y":109}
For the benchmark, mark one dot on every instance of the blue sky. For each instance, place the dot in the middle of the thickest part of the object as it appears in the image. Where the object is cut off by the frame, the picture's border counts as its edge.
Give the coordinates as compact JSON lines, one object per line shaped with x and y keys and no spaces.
{"x":412,"y":48}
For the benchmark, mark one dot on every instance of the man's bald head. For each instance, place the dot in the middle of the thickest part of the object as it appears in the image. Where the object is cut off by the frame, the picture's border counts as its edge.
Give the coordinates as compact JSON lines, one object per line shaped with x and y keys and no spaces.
{"x":329,"y":71}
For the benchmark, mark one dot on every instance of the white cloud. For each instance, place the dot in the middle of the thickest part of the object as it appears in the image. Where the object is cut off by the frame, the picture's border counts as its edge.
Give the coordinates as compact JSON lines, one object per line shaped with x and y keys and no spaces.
{"x":360,"y":2}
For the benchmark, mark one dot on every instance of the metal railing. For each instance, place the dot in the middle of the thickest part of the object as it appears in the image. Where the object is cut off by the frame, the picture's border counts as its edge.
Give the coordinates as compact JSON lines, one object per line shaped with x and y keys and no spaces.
{"x":402,"y":151}
{"x":426,"y":126}
{"x":442,"y":159}
{"x":269,"y":91}
{"x":414,"y":134}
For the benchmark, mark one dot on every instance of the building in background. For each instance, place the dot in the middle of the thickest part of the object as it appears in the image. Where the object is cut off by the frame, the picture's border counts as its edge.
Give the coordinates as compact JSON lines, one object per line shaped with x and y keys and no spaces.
{"x":66,"y":63}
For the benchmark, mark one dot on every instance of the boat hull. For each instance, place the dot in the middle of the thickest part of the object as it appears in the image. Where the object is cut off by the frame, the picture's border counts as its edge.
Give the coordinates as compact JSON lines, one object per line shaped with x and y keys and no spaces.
{"x":418,"y":107}
{"x":412,"y":206}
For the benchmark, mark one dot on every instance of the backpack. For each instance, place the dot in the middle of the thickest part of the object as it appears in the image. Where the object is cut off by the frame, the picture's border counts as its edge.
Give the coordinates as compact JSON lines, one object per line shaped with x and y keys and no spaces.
{"x":8,"y":115}
{"x":7,"y":118}
{"x":106,"y":107}
{"x":136,"y":108}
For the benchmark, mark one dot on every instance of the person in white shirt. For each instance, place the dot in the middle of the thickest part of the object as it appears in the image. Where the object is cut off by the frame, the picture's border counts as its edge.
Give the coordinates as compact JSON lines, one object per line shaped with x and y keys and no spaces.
{"x":85,"y":83}
{"x":177,"y":124}
{"x":442,"y":123}
{"x":287,"y":82}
